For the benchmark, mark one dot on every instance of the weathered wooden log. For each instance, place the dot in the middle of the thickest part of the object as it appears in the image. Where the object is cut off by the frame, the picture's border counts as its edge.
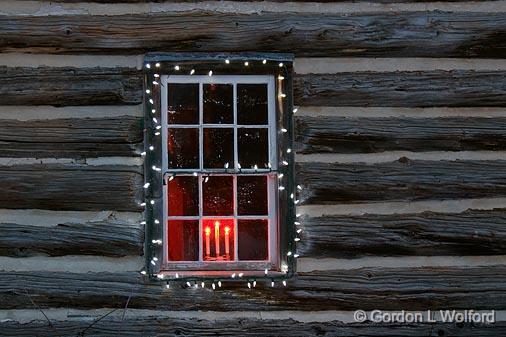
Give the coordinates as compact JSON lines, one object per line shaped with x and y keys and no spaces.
{"x":70,"y":86}
{"x":402,"y":180}
{"x":472,"y":232}
{"x":132,"y":327}
{"x":89,"y":86}
{"x":454,"y":88}
{"x":326,"y":134}
{"x":71,"y":138}
{"x":396,"y":34}
{"x":71,"y":187}
{"x":367,"y":289}
{"x":107,"y":238}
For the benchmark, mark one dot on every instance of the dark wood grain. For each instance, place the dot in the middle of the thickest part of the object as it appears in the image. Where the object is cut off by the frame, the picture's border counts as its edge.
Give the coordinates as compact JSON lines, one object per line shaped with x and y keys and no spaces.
{"x":402,"y":180}
{"x":456,"y":88}
{"x":133,"y":327}
{"x":326,"y":134}
{"x":473,"y":232}
{"x":390,"y":34}
{"x":69,"y":86}
{"x":71,"y":187}
{"x":71,"y":138}
{"x":107,"y":238}
{"x":367,"y":289}
{"x":89,"y":86}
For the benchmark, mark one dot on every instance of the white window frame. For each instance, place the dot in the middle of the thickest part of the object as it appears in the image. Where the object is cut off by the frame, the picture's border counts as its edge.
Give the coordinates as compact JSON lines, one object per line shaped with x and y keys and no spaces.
{"x":208,"y":267}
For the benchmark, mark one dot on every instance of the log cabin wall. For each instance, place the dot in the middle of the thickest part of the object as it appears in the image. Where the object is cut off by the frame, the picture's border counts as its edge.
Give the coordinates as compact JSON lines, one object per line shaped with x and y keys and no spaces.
{"x":400,"y":138}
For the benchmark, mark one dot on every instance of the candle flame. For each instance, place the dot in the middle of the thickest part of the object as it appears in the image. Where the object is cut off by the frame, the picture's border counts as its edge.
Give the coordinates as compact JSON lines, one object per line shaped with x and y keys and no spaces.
{"x":227,"y":230}
{"x":208,"y":231}
{"x":216,"y":224}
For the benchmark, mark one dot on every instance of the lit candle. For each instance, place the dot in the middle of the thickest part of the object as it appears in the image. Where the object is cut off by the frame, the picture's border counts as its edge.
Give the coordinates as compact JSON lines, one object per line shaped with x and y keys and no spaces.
{"x":217,"y":238}
{"x":208,"y":241}
{"x":227,"y":243}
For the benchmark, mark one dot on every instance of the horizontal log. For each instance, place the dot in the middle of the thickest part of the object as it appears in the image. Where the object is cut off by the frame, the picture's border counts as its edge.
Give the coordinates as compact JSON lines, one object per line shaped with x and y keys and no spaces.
{"x":402,"y":180}
{"x":71,"y":187}
{"x":132,"y":327}
{"x":366,"y":288}
{"x":392,"y":34}
{"x":70,"y":86}
{"x":105,"y":238}
{"x":50,"y":86}
{"x":71,"y":137}
{"x":328,"y":134}
{"x":456,"y":88}
{"x":473,"y":232}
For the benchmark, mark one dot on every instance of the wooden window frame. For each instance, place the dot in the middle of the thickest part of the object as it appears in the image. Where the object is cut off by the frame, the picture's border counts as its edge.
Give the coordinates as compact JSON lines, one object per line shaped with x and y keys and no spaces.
{"x":165,"y":66}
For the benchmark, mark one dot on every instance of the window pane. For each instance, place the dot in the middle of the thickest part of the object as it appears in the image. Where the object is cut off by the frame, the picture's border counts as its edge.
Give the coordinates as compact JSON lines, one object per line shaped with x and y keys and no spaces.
{"x":253,"y":147}
{"x":218,"y":103}
{"x":218,"y":147}
{"x":252,"y":104}
{"x":183,"y":145}
{"x":218,"y":195}
{"x":221,"y":231}
{"x":252,"y":195}
{"x":183,"y":103}
{"x":183,"y":240}
{"x":183,"y":196}
{"x":253,"y":240}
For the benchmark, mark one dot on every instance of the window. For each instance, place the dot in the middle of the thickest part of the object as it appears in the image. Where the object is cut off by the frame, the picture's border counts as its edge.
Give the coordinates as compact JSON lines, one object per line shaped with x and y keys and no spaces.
{"x":220,"y":160}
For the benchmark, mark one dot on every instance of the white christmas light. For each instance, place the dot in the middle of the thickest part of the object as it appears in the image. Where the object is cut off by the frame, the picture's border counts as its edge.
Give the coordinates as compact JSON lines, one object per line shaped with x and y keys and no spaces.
{"x":143,"y":272}
{"x":148,"y":65}
{"x":289,"y":254}
{"x":143,"y":222}
{"x":281,"y":188}
{"x":296,"y":255}
{"x":281,"y":175}
{"x":157,"y":221}
{"x":156,"y":75}
{"x":296,"y":223}
{"x":282,"y":95}
{"x":280,"y":64}
{"x":155,"y":120}
{"x":148,"y":91}
{"x":153,"y":111}
{"x":177,"y":275}
{"x":284,"y":162}
{"x":249,"y":285}
{"x":226,"y":165}
{"x":284,"y":130}
{"x":146,"y":185}
{"x":176,"y":68}
{"x":298,"y":215}
{"x":157,"y":64}
{"x":155,"y":83}
{"x":288,"y":150}
{"x":206,"y":179}
{"x":195,"y":174}
{"x":167,"y":285}
{"x":291,"y":195}
{"x":266,"y":271}
{"x":157,"y":133}
{"x":151,"y":101}
{"x":241,"y":274}
{"x":143,"y":153}
{"x":142,"y":204}
{"x":214,"y":286}
{"x":233,"y":275}
{"x":296,"y":239}
{"x":255,"y":167}
{"x":153,"y":263}
{"x":227,"y":61}
{"x":239,"y":166}
{"x":264,"y":61}
{"x":219,"y":284}
{"x":284,"y":283}
{"x":188,"y":284}
{"x":295,"y":110}
{"x":299,"y":230}
{"x":210,"y":73}
{"x":272,"y":284}
{"x":171,"y":178}
{"x":158,"y":127}
{"x":246,"y":63}
{"x":192,"y":71}
{"x":299,"y":187}
{"x":152,"y":202}
{"x":156,"y":168}
{"x":254,"y":284}
{"x":281,"y":77}
{"x":296,"y":202}
{"x":203,"y":285}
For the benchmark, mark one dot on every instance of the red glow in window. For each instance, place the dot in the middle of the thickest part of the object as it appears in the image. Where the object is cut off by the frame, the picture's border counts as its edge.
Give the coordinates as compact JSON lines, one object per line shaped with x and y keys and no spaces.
{"x":218,"y":239}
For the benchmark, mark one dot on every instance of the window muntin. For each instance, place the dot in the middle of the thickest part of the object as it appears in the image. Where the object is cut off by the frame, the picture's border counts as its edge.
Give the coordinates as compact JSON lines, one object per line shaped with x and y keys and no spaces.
{"x":227,"y":162}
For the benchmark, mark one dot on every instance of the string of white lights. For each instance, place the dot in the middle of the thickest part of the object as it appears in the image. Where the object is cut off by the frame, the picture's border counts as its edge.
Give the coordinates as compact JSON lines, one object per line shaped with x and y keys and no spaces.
{"x":155,"y":85}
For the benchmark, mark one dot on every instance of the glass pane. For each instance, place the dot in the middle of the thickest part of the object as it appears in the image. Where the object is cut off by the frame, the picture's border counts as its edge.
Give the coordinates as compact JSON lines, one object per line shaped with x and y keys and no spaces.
{"x":183,"y":103}
{"x":183,"y":145}
{"x":218,"y":147}
{"x":218,"y":195}
{"x":252,"y":104}
{"x":221,"y":231}
{"x":218,"y":103}
{"x":253,"y":147}
{"x":183,"y":240}
{"x":183,"y":196}
{"x":252,"y":195}
{"x":253,"y":240}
